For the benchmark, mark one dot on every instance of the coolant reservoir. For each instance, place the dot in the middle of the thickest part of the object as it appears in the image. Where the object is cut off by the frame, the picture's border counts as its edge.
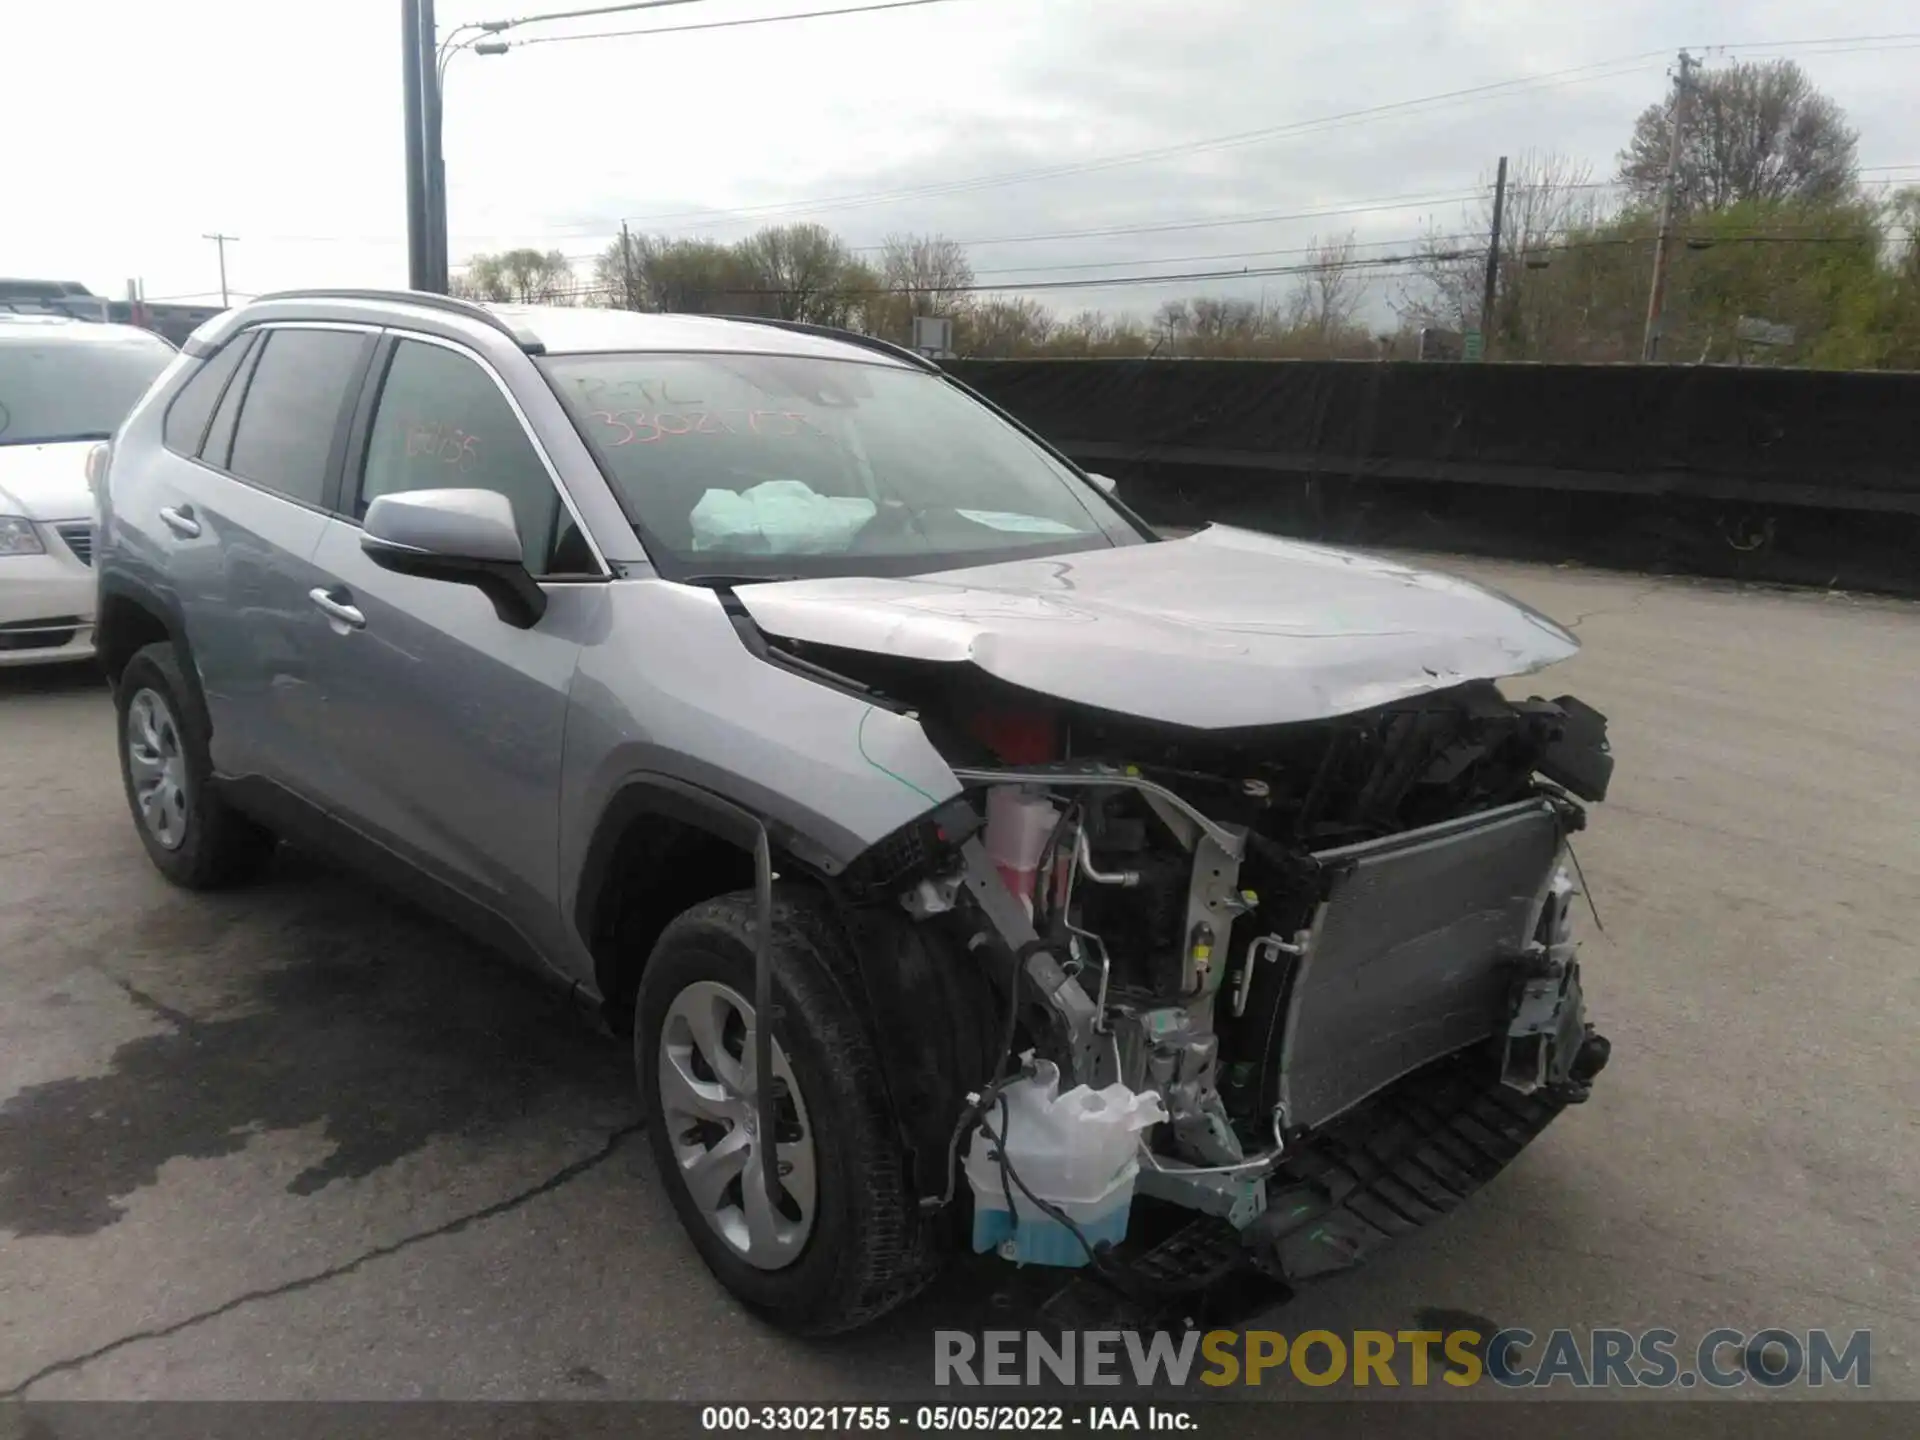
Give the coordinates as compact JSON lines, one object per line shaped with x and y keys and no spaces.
{"x":1019,"y":823}
{"x":1076,"y":1151}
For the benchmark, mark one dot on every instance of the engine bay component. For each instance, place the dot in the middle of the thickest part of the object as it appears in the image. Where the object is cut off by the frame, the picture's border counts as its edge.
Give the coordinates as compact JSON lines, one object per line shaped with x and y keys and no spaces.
{"x":1254,"y":936}
{"x":1021,"y":826}
{"x":1041,"y":1159}
{"x":1412,"y":954}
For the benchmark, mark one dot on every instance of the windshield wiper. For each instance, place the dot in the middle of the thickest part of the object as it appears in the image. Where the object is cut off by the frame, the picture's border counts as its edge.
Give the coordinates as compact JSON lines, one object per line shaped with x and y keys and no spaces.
{"x":56,"y":439}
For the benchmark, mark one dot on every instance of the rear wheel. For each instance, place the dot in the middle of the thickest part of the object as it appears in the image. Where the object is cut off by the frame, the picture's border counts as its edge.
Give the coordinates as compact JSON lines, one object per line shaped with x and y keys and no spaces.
{"x":841,"y":1243}
{"x":192,"y":836}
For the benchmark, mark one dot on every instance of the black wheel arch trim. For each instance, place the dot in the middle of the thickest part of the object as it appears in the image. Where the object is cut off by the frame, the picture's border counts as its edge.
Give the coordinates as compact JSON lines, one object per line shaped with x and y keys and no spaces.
{"x":163,"y":606}
{"x":669,"y":798}
{"x":925,"y":1067}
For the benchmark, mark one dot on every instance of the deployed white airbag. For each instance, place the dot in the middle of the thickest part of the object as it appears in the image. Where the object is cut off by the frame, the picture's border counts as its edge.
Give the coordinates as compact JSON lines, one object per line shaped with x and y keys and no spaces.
{"x":777,"y":517}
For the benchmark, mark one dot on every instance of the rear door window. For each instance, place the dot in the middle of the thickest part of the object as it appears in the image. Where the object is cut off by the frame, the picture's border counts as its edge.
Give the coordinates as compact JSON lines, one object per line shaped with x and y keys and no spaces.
{"x":292,"y":415}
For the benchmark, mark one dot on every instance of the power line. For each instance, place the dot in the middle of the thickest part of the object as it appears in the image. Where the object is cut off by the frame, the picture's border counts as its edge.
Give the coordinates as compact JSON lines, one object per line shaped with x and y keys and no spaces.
{"x":1597,"y":70}
{"x":1529,"y":246}
{"x":1394,"y":266}
{"x":1366,"y":207}
{"x":1518,"y":85}
{"x":192,"y":295}
{"x":1862,"y":42}
{"x":494,"y":27}
{"x":725,"y":24}
{"x":1217,"y":255}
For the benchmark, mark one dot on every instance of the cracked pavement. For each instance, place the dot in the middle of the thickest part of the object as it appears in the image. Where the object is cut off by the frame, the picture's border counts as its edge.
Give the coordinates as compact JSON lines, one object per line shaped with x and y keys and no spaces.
{"x":293,"y":1142}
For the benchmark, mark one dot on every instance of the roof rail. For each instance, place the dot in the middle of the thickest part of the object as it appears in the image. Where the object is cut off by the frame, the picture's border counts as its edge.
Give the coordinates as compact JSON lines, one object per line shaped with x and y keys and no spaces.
{"x":453,"y":304}
{"x":848,"y":337}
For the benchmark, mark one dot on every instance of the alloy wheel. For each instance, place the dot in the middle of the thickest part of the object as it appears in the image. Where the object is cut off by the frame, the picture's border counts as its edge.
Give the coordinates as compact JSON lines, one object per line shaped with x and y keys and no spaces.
{"x":707,"y":1099}
{"x":157,"y":768}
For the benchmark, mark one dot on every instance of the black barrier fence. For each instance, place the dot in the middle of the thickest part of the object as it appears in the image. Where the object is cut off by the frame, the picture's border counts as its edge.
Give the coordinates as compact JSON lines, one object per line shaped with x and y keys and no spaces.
{"x":1796,"y":475}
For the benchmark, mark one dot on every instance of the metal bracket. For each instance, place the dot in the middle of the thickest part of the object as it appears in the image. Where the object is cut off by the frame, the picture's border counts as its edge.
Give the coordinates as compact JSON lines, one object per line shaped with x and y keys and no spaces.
{"x":1086,"y":774}
{"x":1237,"y":1199}
{"x":1213,"y":901}
{"x":1267,"y":947}
{"x":763,"y":1013}
{"x":931,"y":897}
{"x":1063,"y":992}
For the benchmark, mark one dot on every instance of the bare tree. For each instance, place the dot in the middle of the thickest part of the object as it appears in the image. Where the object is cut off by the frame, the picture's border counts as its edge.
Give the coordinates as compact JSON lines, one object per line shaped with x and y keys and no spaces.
{"x":806,"y":272}
{"x":1755,"y":132}
{"x":999,"y":328}
{"x":525,"y":277}
{"x":1549,"y":198}
{"x":1093,"y":332}
{"x":1324,"y":301}
{"x":931,"y":271}
{"x":920,"y":275}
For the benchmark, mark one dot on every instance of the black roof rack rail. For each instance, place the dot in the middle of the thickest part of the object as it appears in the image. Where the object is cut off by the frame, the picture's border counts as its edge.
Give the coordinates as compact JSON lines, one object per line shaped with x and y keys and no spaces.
{"x":833,"y":332}
{"x":453,"y":304}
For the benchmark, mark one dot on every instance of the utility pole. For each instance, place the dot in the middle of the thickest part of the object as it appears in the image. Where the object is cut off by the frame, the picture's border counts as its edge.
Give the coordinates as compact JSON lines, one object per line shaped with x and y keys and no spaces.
{"x":1663,"y":247}
{"x":626,"y":263}
{"x":1493,"y":259}
{"x":416,"y":137}
{"x":221,"y":241}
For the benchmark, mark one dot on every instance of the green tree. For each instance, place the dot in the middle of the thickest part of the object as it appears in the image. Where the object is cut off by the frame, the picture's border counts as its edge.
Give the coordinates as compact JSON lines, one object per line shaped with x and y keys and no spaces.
{"x":1755,"y":132}
{"x":806,"y":272}
{"x":683,"y":276}
{"x":523,"y":277}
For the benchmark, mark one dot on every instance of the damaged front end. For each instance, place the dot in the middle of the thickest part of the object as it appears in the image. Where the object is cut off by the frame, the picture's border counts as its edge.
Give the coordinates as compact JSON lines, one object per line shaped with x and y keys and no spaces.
{"x":1336,"y":955}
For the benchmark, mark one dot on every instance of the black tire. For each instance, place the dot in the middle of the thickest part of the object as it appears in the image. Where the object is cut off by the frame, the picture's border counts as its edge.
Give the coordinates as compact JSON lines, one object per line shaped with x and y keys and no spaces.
{"x":219,"y":847}
{"x":869,"y":1250}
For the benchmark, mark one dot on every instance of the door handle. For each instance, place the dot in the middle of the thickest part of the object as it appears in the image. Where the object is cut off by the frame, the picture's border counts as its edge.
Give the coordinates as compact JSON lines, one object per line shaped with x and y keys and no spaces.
{"x":335,"y":610}
{"x":180,"y":521}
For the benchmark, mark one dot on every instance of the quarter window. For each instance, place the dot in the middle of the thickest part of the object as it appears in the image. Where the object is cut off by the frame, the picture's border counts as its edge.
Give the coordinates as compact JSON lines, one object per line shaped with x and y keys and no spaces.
{"x":192,"y":409}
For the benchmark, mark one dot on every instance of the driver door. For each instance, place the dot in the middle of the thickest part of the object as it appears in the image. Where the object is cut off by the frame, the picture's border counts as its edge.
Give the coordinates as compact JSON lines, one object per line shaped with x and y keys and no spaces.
{"x":446,"y":722}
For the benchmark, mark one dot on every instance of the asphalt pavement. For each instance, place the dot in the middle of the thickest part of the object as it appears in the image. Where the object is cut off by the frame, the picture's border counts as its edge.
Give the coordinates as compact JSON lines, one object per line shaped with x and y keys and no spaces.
{"x":293,"y":1142}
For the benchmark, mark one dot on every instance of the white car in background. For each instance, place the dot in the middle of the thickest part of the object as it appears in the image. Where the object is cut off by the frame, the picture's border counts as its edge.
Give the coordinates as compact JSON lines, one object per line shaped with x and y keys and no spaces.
{"x":65,"y":386}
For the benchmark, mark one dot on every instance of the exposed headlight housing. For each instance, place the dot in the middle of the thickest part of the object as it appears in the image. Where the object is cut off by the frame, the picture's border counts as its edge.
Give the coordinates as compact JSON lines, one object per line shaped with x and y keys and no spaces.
{"x":18,"y":537}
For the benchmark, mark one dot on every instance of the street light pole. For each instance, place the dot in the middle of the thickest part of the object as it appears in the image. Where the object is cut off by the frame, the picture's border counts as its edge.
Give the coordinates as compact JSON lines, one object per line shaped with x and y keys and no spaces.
{"x":428,"y":57}
{"x":413,"y":76}
{"x":436,"y":165}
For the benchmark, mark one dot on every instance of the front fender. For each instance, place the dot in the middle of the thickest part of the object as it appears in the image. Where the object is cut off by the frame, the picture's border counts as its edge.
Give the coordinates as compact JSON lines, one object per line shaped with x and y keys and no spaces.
{"x":671,"y":694}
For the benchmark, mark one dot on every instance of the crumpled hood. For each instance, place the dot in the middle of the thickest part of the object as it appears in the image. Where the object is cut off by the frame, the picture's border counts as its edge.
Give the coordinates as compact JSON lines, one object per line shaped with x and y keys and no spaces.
{"x":1225,"y":628}
{"x":46,"y":482}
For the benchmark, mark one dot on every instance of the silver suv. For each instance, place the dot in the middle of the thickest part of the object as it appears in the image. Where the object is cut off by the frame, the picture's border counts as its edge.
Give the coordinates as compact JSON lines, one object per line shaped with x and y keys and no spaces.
{"x":728,"y":670}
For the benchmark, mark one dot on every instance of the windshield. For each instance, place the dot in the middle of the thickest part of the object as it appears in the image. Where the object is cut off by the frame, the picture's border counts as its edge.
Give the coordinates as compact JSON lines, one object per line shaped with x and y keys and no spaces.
{"x":754,"y":466}
{"x":68,"y":389}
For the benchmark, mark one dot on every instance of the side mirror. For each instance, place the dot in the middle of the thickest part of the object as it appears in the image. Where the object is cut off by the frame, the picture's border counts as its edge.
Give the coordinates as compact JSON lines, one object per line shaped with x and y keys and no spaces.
{"x":1106,"y":483}
{"x":466,"y":536}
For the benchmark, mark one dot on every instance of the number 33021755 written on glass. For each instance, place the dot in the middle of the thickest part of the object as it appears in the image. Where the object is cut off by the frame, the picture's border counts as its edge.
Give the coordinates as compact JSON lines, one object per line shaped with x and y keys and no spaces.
{"x":446,"y":443}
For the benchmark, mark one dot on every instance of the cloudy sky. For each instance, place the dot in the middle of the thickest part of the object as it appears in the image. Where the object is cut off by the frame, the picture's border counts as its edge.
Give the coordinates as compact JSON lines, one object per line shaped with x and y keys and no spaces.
{"x":1018,"y":126}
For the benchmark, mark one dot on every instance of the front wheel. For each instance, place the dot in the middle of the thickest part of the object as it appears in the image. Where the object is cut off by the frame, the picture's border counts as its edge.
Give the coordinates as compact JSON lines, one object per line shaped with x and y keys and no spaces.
{"x":841,"y":1243}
